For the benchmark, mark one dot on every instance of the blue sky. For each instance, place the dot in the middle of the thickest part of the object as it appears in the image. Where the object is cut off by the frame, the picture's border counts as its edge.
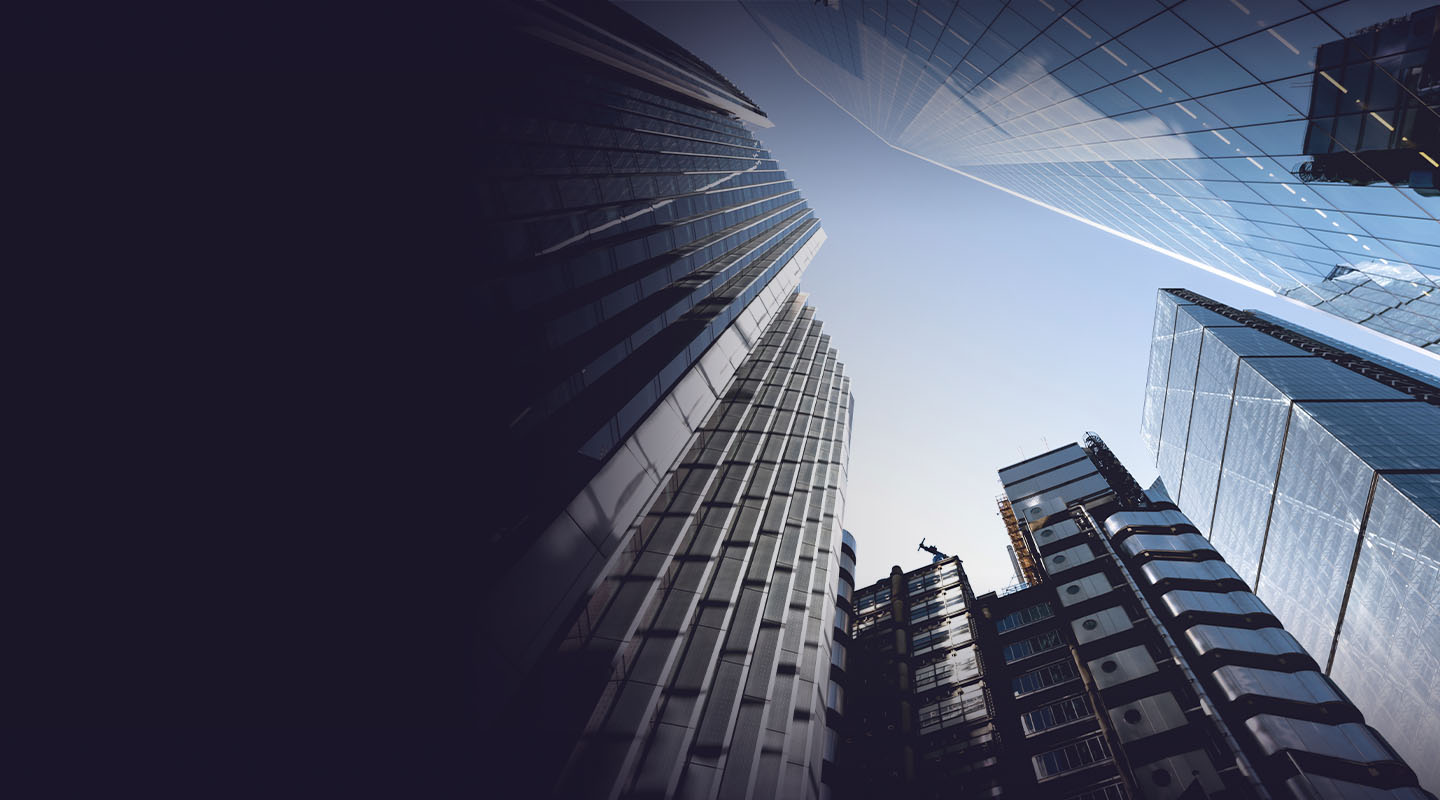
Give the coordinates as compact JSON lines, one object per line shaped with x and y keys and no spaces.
{"x":977,"y":328}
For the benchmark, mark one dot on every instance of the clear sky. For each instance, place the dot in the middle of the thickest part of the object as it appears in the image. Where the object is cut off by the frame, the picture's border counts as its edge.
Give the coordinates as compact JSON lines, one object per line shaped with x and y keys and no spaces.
{"x":978,"y":329}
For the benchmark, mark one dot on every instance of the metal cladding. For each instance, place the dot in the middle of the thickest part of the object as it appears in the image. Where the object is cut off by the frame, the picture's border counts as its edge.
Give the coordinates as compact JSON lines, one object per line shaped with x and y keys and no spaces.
{"x":1314,"y":468}
{"x":1294,"y":149}
{"x":671,"y":442}
{"x":1171,"y":644}
{"x":712,"y":633}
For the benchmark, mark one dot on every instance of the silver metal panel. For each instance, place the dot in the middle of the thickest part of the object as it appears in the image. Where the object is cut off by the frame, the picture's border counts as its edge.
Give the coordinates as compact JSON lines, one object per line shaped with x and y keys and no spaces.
{"x":1183,"y":543}
{"x":1018,"y":472}
{"x":1131,"y":518}
{"x":1157,"y":571}
{"x":1240,"y":604}
{"x":1147,"y":717}
{"x":1084,"y":589}
{"x":1068,"y":559}
{"x":1121,"y":667}
{"x":1055,"y":532}
{"x":1350,"y":741}
{"x":1171,"y":777}
{"x":1236,"y":682}
{"x":1105,"y":622}
{"x":1266,"y":641}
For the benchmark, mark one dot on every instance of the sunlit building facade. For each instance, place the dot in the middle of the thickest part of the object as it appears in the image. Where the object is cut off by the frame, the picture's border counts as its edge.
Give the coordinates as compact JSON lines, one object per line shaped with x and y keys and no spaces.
{"x":670,"y":429}
{"x":1291,"y":146}
{"x":1315,"y":470}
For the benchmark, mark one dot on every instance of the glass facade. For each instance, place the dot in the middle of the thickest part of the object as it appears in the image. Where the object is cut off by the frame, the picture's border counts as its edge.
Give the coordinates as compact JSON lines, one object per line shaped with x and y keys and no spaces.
{"x":666,"y":566}
{"x":637,"y":241}
{"x":1290,"y":145}
{"x":709,"y":640}
{"x":1315,"y":472}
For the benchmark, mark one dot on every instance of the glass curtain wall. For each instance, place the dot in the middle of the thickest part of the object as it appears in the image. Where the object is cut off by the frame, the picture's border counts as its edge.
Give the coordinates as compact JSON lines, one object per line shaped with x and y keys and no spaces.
{"x":1289,"y":145}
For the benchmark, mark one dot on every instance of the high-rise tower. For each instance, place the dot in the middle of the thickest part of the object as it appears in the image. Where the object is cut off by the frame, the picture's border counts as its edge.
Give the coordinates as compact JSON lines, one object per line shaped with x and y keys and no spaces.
{"x":1289,"y":147}
{"x":1315,"y":469}
{"x":1138,"y":666}
{"x":668,"y":564}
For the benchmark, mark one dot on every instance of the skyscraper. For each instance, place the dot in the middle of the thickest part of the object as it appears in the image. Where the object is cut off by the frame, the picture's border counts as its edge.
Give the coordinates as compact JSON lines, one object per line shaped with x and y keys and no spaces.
{"x":1138,"y":666}
{"x":642,"y":242}
{"x":1288,"y":147}
{"x":1315,"y":470}
{"x":668,"y":564}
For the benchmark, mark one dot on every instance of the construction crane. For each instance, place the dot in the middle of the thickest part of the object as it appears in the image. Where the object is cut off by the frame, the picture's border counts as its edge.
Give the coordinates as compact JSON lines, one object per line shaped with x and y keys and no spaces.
{"x":934,"y":551}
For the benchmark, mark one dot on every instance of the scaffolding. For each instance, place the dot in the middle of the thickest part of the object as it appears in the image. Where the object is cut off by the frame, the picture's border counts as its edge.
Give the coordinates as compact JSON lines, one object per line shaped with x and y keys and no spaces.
{"x":1023,"y":555}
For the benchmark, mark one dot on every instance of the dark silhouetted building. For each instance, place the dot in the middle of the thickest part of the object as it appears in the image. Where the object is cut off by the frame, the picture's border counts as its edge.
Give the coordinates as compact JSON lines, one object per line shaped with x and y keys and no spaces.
{"x":1315,"y":468}
{"x":1140,"y":666}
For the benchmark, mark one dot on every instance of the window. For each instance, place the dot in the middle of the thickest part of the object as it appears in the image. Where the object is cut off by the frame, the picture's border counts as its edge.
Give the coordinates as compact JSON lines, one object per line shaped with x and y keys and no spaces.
{"x":1068,"y":710}
{"x":869,"y":621}
{"x":838,"y":654}
{"x":1083,"y":753}
{"x":959,"y":666}
{"x":835,"y":700}
{"x":869,"y":601}
{"x":968,"y":704}
{"x":1049,"y":640}
{"x":948,"y":574}
{"x":953,"y":634}
{"x":1024,"y":616}
{"x":1056,"y":672}
{"x":946,"y":603}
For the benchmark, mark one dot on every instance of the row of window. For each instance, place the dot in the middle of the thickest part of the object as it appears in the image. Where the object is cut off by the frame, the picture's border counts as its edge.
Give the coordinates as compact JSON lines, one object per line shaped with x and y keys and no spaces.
{"x":948,"y":574}
{"x":1068,"y":710}
{"x":1087,"y":751}
{"x":865,"y":623}
{"x":869,"y":601}
{"x":1054,"y":673}
{"x":960,"y":665}
{"x":1024,"y":616}
{"x":948,"y":602}
{"x":956,"y":633}
{"x":1049,"y":640}
{"x":966,"y":705}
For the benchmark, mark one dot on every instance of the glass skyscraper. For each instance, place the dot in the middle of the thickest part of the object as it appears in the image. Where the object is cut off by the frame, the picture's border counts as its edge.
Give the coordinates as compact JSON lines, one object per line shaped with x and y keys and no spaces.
{"x":1291,"y":146}
{"x":640,"y":242}
{"x":671,"y":425}
{"x":1315,"y":470}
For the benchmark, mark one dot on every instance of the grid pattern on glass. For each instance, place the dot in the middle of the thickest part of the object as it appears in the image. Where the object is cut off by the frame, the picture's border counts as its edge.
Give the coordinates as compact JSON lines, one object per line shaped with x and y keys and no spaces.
{"x":958,"y":666}
{"x":1188,"y":127}
{"x":1054,"y":715}
{"x":945,"y":575}
{"x":1392,"y":619}
{"x":871,"y":599}
{"x":1031,"y":645}
{"x":1080,"y":754}
{"x":953,"y":633}
{"x":1024,"y":616}
{"x":947,"y":602}
{"x":1327,"y":501}
{"x":967,"y":704}
{"x":1052,"y":674}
